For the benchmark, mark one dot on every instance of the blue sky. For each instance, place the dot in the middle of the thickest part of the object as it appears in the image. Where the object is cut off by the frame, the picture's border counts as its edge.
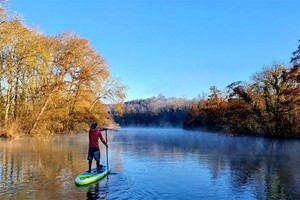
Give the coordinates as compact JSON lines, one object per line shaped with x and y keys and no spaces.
{"x":178,"y":48}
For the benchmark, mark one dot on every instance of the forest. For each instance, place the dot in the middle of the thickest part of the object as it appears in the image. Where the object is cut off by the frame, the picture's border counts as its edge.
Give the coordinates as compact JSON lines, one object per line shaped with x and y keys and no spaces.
{"x":51,"y":83}
{"x":153,"y":112}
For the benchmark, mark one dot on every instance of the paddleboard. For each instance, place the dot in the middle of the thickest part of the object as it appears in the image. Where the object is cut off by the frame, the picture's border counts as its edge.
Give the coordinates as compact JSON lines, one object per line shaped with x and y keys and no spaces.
{"x":86,"y":177}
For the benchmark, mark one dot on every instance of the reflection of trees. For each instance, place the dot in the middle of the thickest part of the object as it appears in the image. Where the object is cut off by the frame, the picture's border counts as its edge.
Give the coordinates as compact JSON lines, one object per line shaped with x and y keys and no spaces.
{"x":271,"y":167}
{"x":33,"y":169}
{"x":268,"y":167}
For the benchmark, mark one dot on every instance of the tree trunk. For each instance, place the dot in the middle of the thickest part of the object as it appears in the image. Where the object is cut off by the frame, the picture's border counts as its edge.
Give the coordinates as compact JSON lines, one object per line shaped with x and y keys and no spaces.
{"x":93,"y":104}
{"x":41,"y":113}
{"x":16,"y":99}
{"x":8,"y":101}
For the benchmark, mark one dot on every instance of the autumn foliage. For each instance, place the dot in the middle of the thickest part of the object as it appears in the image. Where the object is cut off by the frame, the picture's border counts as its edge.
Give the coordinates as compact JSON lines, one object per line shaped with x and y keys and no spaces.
{"x":269,"y":105}
{"x":51,"y":84}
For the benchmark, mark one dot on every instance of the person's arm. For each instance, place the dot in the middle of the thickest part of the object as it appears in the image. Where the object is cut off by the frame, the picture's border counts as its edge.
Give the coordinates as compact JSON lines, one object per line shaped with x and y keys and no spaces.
{"x":102,"y":129}
{"x":102,"y":139}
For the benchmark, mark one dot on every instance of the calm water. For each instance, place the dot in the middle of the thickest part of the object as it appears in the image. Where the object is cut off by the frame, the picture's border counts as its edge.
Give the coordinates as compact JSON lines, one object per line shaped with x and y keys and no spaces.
{"x":153,"y":164}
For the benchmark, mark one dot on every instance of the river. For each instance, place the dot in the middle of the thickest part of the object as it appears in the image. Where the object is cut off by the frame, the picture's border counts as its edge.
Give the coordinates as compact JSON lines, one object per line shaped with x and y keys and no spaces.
{"x":153,"y":164}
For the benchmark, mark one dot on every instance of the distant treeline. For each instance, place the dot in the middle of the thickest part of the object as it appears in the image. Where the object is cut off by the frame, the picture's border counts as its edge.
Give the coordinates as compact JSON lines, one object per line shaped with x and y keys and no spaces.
{"x":51,"y":84}
{"x":156,"y":111}
{"x":269,"y":105}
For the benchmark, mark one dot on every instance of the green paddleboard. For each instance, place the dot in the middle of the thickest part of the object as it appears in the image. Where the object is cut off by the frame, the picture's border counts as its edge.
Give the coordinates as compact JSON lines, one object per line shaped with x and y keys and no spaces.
{"x":86,"y":177}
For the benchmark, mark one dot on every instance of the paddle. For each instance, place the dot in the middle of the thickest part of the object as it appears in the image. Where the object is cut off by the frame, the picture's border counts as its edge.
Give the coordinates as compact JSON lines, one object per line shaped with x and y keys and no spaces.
{"x":106,"y":152}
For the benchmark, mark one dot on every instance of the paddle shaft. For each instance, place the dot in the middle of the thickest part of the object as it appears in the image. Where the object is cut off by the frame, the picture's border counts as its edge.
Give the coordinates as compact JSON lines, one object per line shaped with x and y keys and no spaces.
{"x":106,"y":151}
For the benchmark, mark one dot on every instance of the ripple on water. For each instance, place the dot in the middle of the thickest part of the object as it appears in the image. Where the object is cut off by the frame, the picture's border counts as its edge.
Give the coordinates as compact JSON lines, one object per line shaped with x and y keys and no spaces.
{"x":160,"y":165}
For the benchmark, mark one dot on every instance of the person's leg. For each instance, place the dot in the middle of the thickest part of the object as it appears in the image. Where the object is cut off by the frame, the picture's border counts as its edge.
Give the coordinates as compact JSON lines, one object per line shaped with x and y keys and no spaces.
{"x":90,"y":166}
{"x":90,"y":158}
{"x":97,"y":158}
{"x":98,"y":165}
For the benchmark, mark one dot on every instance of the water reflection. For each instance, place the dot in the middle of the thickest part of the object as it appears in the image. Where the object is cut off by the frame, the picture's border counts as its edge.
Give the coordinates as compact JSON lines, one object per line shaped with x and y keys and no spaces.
{"x":268,"y":168}
{"x":93,"y":192}
{"x":154,"y":164}
{"x":96,"y":191}
{"x":35,"y":169}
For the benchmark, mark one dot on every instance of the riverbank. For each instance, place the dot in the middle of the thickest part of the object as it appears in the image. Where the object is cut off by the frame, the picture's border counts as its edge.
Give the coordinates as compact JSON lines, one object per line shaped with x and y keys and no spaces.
{"x":13,"y":134}
{"x":8,"y":134}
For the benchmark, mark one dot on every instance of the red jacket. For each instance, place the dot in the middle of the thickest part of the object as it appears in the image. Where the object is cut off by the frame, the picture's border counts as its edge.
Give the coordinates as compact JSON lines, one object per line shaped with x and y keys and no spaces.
{"x":94,"y":134}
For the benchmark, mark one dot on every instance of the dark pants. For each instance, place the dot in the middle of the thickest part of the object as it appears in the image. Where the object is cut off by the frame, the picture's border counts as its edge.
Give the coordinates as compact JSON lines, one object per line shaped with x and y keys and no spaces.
{"x":94,"y":152}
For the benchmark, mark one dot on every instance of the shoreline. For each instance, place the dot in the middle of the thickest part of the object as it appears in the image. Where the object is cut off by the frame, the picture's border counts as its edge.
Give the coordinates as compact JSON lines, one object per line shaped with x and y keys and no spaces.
{"x":9,"y":136}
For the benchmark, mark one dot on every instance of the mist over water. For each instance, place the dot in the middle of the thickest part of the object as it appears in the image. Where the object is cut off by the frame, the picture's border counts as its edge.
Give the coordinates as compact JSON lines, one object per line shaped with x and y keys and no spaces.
{"x":153,"y":164}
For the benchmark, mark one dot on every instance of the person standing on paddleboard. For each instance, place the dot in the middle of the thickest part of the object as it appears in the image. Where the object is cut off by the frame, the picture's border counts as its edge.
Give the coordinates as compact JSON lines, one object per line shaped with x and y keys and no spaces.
{"x":94,"y":151}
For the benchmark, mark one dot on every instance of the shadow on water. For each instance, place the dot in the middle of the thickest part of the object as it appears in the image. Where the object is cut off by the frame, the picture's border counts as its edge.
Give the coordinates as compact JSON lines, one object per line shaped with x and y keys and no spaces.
{"x":98,"y":190}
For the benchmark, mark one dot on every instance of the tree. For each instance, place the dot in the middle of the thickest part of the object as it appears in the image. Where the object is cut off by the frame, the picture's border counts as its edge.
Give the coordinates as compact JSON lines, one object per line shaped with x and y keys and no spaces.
{"x":296,"y":56}
{"x":52,"y":84}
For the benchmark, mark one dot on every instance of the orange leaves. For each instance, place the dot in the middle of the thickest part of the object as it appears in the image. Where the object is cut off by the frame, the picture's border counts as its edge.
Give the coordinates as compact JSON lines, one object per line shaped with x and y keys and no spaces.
{"x":269,"y":104}
{"x":51,"y":82}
